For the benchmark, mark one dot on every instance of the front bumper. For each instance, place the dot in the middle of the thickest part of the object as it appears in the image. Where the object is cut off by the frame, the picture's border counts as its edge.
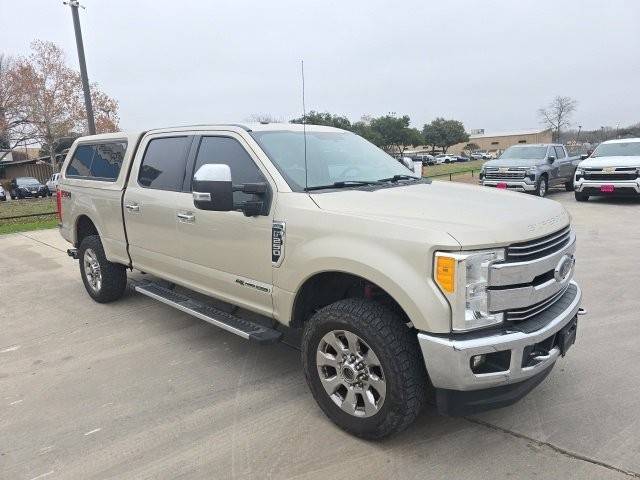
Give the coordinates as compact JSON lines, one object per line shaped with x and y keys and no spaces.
{"x":448,"y":358}
{"x":517,"y":185}
{"x":621,"y":187}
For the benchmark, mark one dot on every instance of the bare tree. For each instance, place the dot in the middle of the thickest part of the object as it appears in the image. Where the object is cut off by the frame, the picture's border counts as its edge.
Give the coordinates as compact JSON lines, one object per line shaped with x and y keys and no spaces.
{"x":263,"y":118}
{"x":557,"y":115}
{"x":15,"y":126}
{"x":53,"y":97}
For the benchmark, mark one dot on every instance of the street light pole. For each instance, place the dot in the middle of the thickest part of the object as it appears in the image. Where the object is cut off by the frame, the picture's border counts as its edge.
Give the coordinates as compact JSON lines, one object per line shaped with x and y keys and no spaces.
{"x":74,"y":4}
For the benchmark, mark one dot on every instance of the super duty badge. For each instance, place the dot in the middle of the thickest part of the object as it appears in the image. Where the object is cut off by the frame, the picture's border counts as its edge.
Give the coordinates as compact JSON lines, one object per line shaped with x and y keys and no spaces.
{"x":277,"y":243}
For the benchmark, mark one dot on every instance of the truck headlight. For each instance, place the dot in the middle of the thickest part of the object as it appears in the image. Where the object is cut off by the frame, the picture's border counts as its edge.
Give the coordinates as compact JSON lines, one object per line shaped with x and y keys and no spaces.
{"x":579,"y":173}
{"x":463,"y":278}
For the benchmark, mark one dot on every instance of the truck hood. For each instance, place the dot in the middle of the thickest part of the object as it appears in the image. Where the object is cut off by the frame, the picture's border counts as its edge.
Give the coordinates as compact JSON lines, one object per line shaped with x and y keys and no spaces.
{"x":475,"y":216}
{"x":513,"y":162}
{"x":600,"y":162}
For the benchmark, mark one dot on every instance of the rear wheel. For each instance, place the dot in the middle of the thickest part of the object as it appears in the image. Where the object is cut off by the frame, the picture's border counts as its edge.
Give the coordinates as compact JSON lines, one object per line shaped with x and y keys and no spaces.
{"x":104,"y":281}
{"x":364,"y":367}
{"x":581,"y":197}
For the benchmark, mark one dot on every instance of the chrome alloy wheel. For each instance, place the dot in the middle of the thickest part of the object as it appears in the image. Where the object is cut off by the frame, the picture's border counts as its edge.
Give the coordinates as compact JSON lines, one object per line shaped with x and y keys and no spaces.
{"x":543,"y":188}
{"x":92,"y":270}
{"x":351,"y":373}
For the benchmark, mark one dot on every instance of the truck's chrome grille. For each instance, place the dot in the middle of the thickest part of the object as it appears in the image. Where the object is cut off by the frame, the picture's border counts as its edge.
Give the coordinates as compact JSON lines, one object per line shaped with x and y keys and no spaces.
{"x":516,"y":315}
{"x":619,"y":173}
{"x":495,"y":174}
{"x":539,"y":247}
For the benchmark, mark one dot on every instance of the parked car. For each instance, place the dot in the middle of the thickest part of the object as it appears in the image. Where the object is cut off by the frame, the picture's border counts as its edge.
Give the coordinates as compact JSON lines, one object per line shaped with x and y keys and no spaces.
{"x":462,"y":158}
{"x":482,"y":155}
{"x":389,"y":299}
{"x":445,"y":158}
{"x":530,"y":168}
{"x":613,"y":169}
{"x":3,"y":194}
{"x":52,"y":183}
{"x":425,"y":158}
{"x":23,"y":187}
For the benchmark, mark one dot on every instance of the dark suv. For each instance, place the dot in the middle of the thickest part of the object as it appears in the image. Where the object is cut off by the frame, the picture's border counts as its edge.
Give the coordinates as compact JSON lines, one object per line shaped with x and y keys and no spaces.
{"x":23,"y":187}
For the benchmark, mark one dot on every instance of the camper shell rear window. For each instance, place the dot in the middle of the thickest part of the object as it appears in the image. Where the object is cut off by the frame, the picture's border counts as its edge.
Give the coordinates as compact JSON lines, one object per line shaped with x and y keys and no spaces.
{"x":97,"y":161}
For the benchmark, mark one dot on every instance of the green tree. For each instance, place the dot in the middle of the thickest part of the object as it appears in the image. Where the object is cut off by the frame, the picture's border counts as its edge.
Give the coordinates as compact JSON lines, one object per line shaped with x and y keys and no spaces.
{"x":394,"y":134}
{"x":444,"y":133}
{"x":324,"y":118}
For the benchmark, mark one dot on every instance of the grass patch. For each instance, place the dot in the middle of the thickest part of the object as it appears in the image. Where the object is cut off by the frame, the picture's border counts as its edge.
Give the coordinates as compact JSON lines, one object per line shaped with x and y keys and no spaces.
{"x":446,"y":168}
{"x":28,"y":226}
{"x":27,"y":206}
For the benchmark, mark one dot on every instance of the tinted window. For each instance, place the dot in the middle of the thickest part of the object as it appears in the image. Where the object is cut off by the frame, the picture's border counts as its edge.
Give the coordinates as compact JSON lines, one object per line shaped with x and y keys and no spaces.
{"x":80,"y":165}
{"x":229,"y":151}
{"x":100,"y":161}
{"x":164,"y":163}
{"x":559,"y":152}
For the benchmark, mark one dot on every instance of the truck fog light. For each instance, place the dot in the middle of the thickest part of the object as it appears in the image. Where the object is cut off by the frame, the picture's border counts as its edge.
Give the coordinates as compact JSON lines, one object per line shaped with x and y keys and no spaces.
{"x":476,"y":361}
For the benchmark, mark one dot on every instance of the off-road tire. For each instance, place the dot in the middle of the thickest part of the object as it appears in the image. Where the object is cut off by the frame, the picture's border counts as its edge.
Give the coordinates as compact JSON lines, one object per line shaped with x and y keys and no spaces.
{"x":568,"y":186}
{"x":396,"y":347}
{"x":540,"y":192}
{"x":581,"y":197}
{"x":114,"y":276}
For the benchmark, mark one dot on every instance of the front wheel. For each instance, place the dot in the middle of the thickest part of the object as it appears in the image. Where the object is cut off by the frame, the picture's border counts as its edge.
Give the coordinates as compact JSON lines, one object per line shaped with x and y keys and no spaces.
{"x":364,"y":367}
{"x":568,"y":186}
{"x":543,"y":185}
{"x":581,"y":197}
{"x":104,"y":281}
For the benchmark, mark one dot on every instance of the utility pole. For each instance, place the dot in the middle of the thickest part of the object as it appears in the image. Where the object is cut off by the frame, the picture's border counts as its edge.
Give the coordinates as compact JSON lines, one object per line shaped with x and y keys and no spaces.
{"x":74,"y":4}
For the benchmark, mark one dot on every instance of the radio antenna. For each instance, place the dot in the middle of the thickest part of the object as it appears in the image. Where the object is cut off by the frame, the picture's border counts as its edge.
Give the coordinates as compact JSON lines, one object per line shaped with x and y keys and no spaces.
{"x":304,"y":130}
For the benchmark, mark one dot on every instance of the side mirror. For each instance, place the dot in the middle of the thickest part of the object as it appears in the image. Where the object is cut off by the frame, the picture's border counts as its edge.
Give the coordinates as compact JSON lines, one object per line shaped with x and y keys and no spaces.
{"x":584,"y":156}
{"x":212,"y":188}
{"x":551,"y":159}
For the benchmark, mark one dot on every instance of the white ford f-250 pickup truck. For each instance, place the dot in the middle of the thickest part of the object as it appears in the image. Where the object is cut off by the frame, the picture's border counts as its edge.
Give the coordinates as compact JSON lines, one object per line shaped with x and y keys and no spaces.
{"x":402,"y":290}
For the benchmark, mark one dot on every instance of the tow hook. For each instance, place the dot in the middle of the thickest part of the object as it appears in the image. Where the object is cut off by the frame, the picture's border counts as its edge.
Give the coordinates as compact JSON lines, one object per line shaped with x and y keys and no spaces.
{"x":582,"y":311}
{"x":73,"y":253}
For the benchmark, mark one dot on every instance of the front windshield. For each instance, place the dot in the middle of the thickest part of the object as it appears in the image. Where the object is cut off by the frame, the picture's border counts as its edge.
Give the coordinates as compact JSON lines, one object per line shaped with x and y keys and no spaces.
{"x":27,"y":181}
{"x":623,"y":149}
{"x":525,"y":153}
{"x":331,"y":157}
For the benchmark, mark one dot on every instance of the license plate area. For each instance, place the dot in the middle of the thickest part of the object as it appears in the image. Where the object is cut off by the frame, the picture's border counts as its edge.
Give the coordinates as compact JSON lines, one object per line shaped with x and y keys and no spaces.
{"x":567,"y":336}
{"x":607,"y":188}
{"x":501,"y":185}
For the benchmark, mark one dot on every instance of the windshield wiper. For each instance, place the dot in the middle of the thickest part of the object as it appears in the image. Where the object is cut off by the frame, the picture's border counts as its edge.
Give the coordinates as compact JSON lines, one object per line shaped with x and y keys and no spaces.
{"x":396,"y":178}
{"x":343,"y":184}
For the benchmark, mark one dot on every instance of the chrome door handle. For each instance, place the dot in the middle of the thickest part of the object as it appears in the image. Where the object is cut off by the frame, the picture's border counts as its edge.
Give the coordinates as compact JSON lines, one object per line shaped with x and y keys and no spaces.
{"x":186,"y":217}
{"x":132,"y":207}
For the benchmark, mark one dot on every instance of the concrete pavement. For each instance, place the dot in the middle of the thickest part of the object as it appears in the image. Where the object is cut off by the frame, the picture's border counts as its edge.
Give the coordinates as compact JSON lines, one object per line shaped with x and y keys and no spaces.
{"x":135,"y":389}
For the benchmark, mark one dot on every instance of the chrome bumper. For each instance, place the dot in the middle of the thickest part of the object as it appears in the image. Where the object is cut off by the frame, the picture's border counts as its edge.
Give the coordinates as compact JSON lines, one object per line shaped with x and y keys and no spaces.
{"x":519,"y":185}
{"x":448,"y":359}
{"x":580,"y":185}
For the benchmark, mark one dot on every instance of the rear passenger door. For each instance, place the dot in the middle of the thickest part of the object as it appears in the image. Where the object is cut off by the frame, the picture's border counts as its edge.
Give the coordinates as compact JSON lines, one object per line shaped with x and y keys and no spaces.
{"x":564,"y":164}
{"x":150,"y":200}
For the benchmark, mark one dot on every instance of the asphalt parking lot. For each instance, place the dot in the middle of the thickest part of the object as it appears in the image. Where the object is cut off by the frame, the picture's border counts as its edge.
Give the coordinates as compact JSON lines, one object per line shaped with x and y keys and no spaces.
{"x":136,"y":389}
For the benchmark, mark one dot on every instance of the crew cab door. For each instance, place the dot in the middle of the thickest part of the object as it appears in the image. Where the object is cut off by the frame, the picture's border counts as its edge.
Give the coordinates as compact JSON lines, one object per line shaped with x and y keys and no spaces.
{"x":554,"y":167}
{"x":149,"y":203}
{"x":565,"y":166}
{"x":227,"y":254}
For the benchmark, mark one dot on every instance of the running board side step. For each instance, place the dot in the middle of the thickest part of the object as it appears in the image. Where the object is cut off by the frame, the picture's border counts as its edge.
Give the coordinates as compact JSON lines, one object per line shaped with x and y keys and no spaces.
{"x":243,"y":328}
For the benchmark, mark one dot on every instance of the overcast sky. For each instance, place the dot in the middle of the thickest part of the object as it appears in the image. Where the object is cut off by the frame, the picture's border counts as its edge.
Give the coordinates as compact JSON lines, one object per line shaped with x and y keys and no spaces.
{"x":490,"y":64}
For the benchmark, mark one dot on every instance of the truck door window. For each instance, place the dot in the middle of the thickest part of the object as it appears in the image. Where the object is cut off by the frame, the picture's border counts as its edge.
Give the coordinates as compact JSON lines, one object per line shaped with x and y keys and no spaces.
{"x":229,"y":151}
{"x":164,"y":162}
{"x":559,"y":152}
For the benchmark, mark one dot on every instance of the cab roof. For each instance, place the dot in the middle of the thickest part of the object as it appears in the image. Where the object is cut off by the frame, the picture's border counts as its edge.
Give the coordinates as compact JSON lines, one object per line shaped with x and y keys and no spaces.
{"x":623,"y":140}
